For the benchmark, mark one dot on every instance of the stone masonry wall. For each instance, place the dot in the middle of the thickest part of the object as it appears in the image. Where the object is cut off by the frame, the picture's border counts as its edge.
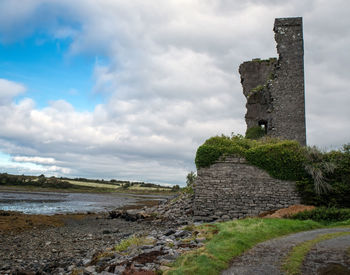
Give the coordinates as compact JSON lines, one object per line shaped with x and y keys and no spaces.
{"x":232,"y":188}
{"x":275,"y":88}
{"x":255,"y":76}
{"x":288,"y":86}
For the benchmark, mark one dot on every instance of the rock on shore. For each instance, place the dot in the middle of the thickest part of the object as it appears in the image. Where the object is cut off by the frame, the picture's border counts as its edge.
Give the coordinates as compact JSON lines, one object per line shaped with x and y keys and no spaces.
{"x":154,"y":252}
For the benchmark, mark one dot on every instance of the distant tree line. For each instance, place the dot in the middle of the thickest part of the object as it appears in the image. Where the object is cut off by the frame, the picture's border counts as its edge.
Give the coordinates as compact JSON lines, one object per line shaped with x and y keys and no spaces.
{"x":41,"y":181}
{"x":63,"y":182}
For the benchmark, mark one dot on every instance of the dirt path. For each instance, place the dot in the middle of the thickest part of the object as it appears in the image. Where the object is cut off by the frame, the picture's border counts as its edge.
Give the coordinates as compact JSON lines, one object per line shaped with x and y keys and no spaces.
{"x":328,"y":256}
{"x":324,"y":258}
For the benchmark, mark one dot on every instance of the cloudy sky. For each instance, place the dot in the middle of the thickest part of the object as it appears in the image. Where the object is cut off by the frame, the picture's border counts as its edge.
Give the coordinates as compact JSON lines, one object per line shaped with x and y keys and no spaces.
{"x":129,"y":89}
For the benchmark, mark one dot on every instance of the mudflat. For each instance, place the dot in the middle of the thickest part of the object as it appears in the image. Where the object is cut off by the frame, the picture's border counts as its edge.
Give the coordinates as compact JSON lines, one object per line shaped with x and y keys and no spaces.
{"x":54,"y":202}
{"x":40,"y":243}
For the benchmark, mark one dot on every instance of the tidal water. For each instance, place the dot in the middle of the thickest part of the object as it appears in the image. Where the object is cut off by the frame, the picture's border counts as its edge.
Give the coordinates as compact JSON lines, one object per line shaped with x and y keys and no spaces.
{"x":50,"y":203}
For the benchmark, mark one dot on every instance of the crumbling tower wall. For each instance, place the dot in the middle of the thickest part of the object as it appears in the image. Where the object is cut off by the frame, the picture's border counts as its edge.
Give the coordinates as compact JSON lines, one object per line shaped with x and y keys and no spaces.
{"x":274,"y":88}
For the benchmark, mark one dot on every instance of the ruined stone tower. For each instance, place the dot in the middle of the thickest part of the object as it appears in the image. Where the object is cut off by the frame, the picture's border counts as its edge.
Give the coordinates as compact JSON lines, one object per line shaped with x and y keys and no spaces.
{"x":274,"y":88}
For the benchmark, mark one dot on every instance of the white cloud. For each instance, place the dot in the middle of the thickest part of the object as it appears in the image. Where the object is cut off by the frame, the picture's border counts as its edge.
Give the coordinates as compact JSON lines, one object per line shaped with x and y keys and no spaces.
{"x":56,"y":170}
{"x":171,"y":80}
{"x":8,"y":90}
{"x":39,"y":160}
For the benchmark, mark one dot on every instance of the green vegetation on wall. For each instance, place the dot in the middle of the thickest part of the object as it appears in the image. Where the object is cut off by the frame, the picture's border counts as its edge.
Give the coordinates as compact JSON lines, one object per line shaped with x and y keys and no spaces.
{"x":215,"y":147}
{"x":281,"y":159}
{"x":323,"y":178}
{"x":255,"y":132}
{"x":257,"y":89}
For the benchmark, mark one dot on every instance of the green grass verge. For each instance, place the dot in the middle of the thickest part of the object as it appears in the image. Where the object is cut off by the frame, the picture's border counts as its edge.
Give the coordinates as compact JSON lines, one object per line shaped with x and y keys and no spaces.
{"x":292,"y":264}
{"x":231,"y":240}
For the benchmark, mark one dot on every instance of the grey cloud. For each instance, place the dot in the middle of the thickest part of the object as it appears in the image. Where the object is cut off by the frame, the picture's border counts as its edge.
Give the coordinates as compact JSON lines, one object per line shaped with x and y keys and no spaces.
{"x":172,"y":81}
{"x":21,"y":18}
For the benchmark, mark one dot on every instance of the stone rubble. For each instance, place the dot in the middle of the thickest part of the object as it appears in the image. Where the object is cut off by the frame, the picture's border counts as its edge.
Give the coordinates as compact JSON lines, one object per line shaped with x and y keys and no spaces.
{"x":165,"y":248}
{"x":176,"y":211}
{"x":166,"y":245}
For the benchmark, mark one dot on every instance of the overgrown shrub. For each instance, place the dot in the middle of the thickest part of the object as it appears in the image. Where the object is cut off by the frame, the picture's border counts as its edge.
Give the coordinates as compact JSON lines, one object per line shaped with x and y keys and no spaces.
{"x":318,"y":167}
{"x":338,"y":180}
{"x":283,"y":160}
{"x":190,"y":179}
{"x":337,"y":196}
{"x":175,"y":188}
{"x":215,"y":147}
{"x":126,"y":185}
{"x":323,"y":178}
{"x":255,"y":132}
{"x":323,"y":214}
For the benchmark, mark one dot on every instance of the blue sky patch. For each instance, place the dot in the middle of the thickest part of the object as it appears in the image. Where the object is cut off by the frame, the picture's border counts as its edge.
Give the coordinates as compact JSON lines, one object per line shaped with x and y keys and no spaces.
{"x":44,"y":66}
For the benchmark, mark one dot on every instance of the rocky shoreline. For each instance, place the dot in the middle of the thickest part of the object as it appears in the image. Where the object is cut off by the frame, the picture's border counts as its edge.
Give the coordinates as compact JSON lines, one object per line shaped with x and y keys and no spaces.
{"x":85,"y":245}
{"x":150,"y":254}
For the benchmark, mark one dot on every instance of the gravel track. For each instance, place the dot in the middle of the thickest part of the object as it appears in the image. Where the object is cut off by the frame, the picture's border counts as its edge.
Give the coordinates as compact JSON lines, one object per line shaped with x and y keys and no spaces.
{"x":266,"y":258}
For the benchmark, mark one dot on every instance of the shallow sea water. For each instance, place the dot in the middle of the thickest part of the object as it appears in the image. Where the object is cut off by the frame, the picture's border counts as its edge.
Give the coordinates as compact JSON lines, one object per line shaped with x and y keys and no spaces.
{"x":50,"y":203}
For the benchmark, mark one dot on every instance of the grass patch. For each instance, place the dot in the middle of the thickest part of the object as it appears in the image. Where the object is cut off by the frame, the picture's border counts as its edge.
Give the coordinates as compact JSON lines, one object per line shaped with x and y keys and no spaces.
{"x":230,"y":239}
{"x":136,"y":188}
{"x":143,"y":188}
{"x":189,"y":227}
{"x":93,"y":184}
{"x":132,"y":241}
{"x":292,"y":264}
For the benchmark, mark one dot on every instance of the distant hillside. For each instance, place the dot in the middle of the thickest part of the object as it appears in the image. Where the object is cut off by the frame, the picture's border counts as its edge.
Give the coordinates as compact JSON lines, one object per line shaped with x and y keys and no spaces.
{"x":81,"y":183}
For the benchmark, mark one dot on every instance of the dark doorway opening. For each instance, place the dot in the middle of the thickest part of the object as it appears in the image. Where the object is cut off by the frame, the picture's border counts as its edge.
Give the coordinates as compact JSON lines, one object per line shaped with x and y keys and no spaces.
{"x":263,"y":125}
